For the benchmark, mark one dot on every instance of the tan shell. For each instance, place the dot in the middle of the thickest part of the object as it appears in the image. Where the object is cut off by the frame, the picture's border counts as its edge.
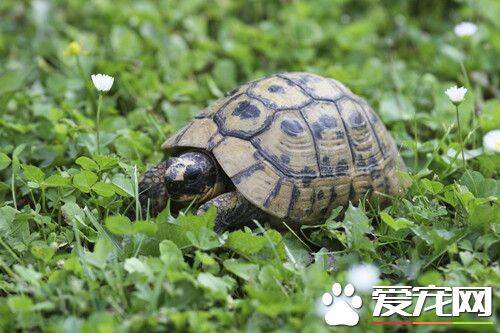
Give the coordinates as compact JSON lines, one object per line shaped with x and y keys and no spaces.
{"x":296,"y":145}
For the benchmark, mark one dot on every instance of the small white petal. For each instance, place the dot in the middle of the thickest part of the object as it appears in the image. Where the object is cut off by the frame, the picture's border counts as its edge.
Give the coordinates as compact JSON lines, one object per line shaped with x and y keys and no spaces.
{"x":455,"y":94}
{"x":465,"y":29}
{"x":491,"y":141}
{"x":102,"y":82}
{"x":468,"y":154}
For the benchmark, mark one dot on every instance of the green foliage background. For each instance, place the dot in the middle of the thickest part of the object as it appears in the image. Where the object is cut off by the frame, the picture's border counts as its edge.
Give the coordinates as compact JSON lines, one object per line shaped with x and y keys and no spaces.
{"x":71,"y":261}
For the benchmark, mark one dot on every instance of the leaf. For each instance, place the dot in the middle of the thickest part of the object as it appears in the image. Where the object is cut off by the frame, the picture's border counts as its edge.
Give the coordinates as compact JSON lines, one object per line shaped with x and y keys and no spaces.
{"x":121,"y":36}
{"x":189,"y":230}
{"x":213,"y":283}
{"x":203,"y":238}
{"x":482,"y":216}
{"x":171,"y":255}
{"x":87,"y":164}
{"x":478,"y":185}
{"x":173,"y":232}
{"x":466,"y":257}
{"x":245,"y":243}
{"x":7,"y":216}
{"x":13,"y":80}
{"x":194,"y":222}
{"x":490,"y":115}
{"x":56,"y":181}
{"x":430,"y":277}
{"x":29,"y":275}
{"x":19,"y":303}
{"x":124,"y":185}
{"x":395,"y":107}
{"x":4,"y":161}
{"x":84,"y":180}
{"x":33,"y":173}
{"x":104,"y":189}
{"x":144,"y":227}
{"x":246,"y":271}
{"x":103,"y":250}
{"x":400,"y":223}
{"x":134,"y":265}
{"x":357,"y":225}
{"x":277,"y":243}
{"x":432,"y":186}
{"x":43,"y":252}
{"x":119,"y":225}
{"x":224,"y":73}
{"x":106,"y":162}
{"x":198,"y":229}
{"x":71,"y":210}
{"x":297,"y":250}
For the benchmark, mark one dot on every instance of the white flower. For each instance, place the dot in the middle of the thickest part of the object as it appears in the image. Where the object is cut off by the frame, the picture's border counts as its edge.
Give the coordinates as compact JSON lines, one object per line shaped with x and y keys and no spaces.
{"x":363,"y":277}
{"x":455,"y":94}
{"x":491,"y":141}
{"x":41,"y":11}
{"x":102,"y":82}
{"x":465,"y":29}
{"x":468,"y":154}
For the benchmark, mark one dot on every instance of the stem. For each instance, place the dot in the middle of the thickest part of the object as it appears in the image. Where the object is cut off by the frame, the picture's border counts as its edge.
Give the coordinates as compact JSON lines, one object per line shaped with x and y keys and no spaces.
{"x":12,"y":187}
{"x":473,"y":113}
{"x":85,"y":80}
{"x":11,"y":252}
{"x":464,"y":73}
{"x":97,"y":125}
{"x":460,"y":135}
{"x":416,"y":141}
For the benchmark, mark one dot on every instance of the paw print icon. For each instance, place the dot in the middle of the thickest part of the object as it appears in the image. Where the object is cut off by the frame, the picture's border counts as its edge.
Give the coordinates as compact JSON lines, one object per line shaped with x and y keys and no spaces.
{"x":341,"y":306}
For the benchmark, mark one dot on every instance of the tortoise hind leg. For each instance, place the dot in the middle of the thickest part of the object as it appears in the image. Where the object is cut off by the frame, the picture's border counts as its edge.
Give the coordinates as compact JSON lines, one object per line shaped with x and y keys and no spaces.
{"x":233,"y":211}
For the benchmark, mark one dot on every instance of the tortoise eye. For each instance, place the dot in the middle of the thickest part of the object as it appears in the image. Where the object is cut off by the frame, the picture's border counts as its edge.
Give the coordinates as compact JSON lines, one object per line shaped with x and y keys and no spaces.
{"x":192,"y":176}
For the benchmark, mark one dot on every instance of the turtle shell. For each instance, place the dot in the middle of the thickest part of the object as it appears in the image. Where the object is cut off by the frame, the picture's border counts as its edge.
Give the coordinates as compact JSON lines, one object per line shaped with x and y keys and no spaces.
{"x":296,"y":145}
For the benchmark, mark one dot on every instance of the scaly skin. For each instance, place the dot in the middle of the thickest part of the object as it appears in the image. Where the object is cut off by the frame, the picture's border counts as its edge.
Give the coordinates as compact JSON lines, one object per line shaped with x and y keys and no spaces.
{"x":233,"y":211}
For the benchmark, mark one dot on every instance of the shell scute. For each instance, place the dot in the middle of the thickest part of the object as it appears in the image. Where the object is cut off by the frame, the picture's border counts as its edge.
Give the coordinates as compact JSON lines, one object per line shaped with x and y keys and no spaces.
{"x":243,"y":117}
{"x":278,"y":94}
{"x":326,"y":124}
{"x":316,"y":86}
{"x":288,"y":139}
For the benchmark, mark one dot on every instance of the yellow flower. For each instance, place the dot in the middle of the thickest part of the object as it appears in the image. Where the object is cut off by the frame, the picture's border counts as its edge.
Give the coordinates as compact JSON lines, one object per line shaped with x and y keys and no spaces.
{"x":73,"y":49}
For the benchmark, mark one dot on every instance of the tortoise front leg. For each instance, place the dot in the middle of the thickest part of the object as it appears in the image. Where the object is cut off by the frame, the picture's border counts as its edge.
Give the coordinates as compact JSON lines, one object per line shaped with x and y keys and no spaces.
{"x":233,"y":211}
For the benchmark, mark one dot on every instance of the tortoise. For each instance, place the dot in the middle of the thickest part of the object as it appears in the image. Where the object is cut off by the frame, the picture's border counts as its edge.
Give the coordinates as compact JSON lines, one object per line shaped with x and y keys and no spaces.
{"x":288,"y":147}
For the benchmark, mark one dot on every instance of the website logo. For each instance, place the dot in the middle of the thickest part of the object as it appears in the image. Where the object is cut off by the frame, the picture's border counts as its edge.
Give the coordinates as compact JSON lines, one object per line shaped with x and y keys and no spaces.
{"x":341,"y":306}
{"x":409,"y":302}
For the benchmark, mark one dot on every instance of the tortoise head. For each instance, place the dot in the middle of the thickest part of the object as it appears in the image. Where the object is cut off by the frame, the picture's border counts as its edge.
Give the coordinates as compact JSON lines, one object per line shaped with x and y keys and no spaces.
{"x":190,"y":176}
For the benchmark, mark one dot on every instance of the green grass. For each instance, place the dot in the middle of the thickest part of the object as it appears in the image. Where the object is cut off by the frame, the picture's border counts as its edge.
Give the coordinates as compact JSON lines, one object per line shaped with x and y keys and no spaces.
{"x":71,"y":261}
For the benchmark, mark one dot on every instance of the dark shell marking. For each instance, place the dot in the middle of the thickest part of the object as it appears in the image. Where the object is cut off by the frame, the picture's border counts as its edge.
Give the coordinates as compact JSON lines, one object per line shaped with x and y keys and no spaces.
{"x":276,"y":89}
{"x":246,"y":173}
{"x":291,"y":127}
{"x":246,"y":110}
